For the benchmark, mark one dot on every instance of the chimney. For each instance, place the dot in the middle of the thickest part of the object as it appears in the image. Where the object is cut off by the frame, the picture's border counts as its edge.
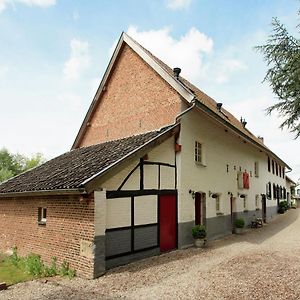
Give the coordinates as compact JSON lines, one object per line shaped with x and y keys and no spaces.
{"x":176,"y":72}
{"x":219,"y":106}
{"x":261,"y":138}
{"x":243,"y":121}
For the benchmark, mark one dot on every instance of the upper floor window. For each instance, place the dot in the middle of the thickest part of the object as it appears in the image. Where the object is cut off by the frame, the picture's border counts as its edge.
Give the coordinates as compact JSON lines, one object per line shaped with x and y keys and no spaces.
{"x":256,"y":169}
{"x":269,"y":164}
{"x":199,"y":153}
{"x":273,"y":166}
{"x":276,"y":169}
{"x":279,"y":170}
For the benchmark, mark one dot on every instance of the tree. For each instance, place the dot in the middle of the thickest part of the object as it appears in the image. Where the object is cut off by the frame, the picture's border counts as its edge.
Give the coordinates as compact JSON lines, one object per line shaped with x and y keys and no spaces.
{"x":14,"y":164}
{"x":282,"y":54}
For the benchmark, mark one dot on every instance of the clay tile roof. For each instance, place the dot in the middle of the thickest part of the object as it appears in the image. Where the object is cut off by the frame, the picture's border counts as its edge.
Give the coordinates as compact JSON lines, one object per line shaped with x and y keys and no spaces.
{"x":71,"y":169}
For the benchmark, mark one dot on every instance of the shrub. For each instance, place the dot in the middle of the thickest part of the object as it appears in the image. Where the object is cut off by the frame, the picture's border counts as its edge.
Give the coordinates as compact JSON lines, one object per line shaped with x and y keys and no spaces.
{"x":281,"y":210}
{"x":33,"y":265}
{"x":284,"y":205}
{"x":52,"y":270}
{"x":199,"y":232}
{"x":239,"y":223}
{"x":14,"y":257}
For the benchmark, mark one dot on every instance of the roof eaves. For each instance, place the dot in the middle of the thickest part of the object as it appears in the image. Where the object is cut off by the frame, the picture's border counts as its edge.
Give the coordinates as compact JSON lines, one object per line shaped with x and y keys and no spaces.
{"x":79,"y":191}
{"x":206,"y":109}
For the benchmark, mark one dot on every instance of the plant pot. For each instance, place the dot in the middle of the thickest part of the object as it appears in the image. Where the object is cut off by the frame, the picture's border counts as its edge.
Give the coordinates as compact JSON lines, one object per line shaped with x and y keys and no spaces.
{"x":200,"y":243}
{"x":239,"y":230}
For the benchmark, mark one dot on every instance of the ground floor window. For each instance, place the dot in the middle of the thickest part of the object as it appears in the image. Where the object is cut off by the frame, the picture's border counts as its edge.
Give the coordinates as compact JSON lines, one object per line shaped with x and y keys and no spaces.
{"x":42,"y":215}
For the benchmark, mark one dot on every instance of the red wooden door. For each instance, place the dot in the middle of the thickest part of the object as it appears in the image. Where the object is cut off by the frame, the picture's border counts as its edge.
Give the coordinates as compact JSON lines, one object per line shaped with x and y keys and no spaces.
{"x":167,"y":222}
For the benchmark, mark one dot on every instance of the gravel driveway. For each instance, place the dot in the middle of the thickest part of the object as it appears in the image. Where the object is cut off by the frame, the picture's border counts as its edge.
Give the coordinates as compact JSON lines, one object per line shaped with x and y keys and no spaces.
{"x":263,"y":263}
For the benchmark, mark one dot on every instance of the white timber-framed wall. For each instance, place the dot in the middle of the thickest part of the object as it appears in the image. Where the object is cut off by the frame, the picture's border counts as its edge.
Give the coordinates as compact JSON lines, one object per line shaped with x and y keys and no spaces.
{"x":133,"y":197}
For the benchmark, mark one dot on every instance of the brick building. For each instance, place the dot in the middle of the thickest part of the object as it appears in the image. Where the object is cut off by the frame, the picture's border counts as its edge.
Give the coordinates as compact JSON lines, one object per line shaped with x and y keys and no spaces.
{"x":154,"y":156}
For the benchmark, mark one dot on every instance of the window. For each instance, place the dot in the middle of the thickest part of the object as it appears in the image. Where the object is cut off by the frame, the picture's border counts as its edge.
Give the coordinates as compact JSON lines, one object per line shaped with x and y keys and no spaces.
{"x":283,"y":172}
{"x":269,"y":191}
{"x":274,"y":191}
{"x":269,"y":164}
{"x":218,"y":204}
{"x":42,"y":215}
{"x":245,"y":202}
{"x":279,"y":171}
{"x":256,"y":169}
{"x":273,"y":166}
{"x":257,"y":201}
{"x":276,"y":169}
{"x":199,"y":153}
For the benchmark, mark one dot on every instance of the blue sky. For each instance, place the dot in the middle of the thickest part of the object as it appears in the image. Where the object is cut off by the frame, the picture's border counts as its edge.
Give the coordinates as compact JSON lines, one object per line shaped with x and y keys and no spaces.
{"x":53,"y":54}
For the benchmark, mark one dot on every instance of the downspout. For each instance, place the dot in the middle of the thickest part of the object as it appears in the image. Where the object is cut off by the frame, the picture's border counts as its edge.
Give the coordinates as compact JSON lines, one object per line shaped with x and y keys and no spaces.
{"x":185,"y":111}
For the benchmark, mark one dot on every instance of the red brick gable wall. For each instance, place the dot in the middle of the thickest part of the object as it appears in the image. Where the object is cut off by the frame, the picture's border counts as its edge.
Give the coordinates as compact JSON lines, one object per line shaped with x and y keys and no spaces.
{"x":68,"y":222}
{"x":136,"y":100}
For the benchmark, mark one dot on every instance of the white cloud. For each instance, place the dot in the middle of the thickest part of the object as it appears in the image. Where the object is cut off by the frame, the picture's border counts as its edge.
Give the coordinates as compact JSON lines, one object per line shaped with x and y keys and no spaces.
{"x":186,"y":52}
{"x":227,"y":67}
{"x":178,"y":4}
{"x":75,"y":15}
{"x":71,"y":101}
{"x":192,"y":52}
{"x":79,"y":59}
{"x":3,"y":71}
{"x":40,"y":3}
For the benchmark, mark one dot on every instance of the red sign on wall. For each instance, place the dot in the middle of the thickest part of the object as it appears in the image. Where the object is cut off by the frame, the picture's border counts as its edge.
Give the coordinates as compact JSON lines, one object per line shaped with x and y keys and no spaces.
{"x":246,"y":180}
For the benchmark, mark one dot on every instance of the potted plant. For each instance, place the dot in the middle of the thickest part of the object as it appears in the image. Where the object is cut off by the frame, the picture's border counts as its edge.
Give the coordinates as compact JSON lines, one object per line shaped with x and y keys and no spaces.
{"x":199,"y":235}
{"x":239,"y":225}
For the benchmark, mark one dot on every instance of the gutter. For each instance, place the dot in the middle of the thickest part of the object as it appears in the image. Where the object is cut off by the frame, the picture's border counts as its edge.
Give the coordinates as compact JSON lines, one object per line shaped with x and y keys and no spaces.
{"x":80,"y":191}
{"x":236,"y":130}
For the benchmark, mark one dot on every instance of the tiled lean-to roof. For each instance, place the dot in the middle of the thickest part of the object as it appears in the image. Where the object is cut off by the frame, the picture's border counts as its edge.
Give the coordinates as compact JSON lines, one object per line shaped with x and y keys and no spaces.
{"x":70,"y":170}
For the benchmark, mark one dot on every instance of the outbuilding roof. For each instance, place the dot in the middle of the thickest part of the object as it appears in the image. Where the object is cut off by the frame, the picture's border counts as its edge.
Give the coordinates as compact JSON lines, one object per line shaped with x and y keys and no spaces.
{"x":73,"y":169}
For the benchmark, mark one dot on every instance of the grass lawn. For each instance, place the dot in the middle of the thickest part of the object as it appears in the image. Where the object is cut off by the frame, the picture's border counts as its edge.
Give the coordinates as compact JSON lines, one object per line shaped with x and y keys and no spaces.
{"x":9,"y":273}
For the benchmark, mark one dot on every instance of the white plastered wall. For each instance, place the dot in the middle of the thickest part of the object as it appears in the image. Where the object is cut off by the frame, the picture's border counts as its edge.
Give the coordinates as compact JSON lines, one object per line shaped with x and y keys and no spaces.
{"x":221,"y":148}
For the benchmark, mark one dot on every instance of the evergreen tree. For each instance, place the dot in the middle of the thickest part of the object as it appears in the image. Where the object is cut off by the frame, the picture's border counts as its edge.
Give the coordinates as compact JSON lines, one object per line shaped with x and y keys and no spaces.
{"x":282,"y":54}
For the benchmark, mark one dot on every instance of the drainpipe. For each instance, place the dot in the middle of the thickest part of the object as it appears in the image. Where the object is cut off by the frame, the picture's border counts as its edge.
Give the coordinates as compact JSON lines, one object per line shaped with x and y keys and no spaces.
{"x":185,"y":111}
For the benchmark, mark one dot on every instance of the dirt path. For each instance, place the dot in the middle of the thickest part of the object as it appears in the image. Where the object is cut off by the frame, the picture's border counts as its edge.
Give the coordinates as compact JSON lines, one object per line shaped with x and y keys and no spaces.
{"x":261,"y":264}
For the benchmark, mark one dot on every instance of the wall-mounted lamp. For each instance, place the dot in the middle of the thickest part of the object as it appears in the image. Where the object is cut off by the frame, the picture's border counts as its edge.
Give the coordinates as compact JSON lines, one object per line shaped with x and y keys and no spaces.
{"x":192,"y":193}
{"x":213,"y":195}
{"x":230,"y":194}
{"x":241,"y":195}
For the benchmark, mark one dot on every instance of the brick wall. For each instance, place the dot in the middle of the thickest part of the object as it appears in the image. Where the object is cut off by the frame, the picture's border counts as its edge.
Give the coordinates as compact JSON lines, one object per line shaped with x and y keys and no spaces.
{"x":68,"y":222}
{"x":136,"y":100}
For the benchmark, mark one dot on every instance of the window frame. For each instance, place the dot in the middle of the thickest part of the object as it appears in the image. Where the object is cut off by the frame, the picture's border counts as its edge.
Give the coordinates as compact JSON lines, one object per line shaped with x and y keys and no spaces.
{"x":218,"y":203}
{"x":42,"y":215}
{"x":199,"y":153}
{"x":257,"y":201}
